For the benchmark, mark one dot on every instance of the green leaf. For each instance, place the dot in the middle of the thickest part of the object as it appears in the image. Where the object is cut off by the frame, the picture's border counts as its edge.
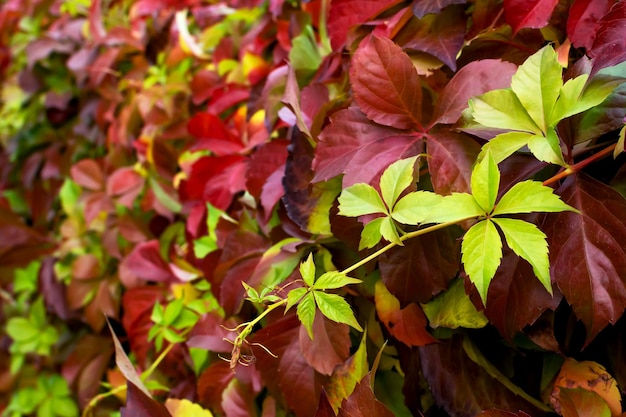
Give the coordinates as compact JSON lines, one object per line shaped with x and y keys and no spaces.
{"x":306,"y":313}
{"x":334,"y":279}
{"x":568,"y":99}
{"x":21,"y":329}
{"x":414,"y":207}
{"x":360,"y":199}
{"x":529,"y":243}
{"x":294,"y":296}
{"x":455,"y":207}
{"x":307,"y":270}
{"x":396,"y":178}
{"x":370,"y":236}
{"x":578,"y":96}
{"x":482,"y":252}
{"x":64,"y":407}
{"x":504,"y":145}
{"x":172,"y":310}
{"x":485,"y":182}
{"x":528,"y":197}
{"x":537,"y":83}
{"x":304,"y":55}
{"x":547,"y":148}
{"x":453,"y":309}
{"x":171,"y":336}
{"x":26,"y":279}
{"x":502,"y":109}
{"x":389,"y":231}
{"x":203,"y":246}
{"x":336,"y":308}
{"x":157,"y":313}
{"x":345,"y":377}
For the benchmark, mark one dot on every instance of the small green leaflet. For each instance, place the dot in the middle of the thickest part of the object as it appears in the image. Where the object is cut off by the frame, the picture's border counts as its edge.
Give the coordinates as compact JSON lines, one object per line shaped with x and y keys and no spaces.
{"x":453,"y":309}
{"x":334,"y":279}
{"x":414,"y":207}
{"x":307,"y":270}
{"x":336,"y":308}
{"x":481,"y":254}
{"x":395,"y":179}
{"x":528,"y":197}
{"x":306,"y":313}
{"x":360,"y":199}
{"x":485,"y":182}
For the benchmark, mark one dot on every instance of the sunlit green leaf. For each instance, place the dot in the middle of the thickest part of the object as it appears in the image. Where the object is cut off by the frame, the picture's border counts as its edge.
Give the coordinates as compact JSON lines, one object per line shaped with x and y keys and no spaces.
{"x":306,"y":313}
{"x":304,"y":55}
{"x":453,"y":309}
{"x":529,"y":243}
{"x":334,"y":279}
{"x":307,"y":270}
{"x":370,"y":236}
{"x":530,"y":196}
{"x":414,"y":207}
{"x":482,"y":252}
{"x":172,"y":310}
{"x":502,"y":109}
{"x":294,"y":296}
{"x":395,"y":179}
{"x":504,"y":145}
{"x":577,"y":96}
{"x":336,"y":308}
{"x":485,"y":182}
{"x":389,"y":231}
{"x":547,"y":148}
{"x":360,"y":199}
{"x":455,"y":207}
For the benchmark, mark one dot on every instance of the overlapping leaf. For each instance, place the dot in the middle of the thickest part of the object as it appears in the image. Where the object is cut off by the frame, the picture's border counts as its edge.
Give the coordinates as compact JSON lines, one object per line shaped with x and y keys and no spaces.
{"x":582,"y":21}
{"x":609,"y":46}
{"x":522,"y":14}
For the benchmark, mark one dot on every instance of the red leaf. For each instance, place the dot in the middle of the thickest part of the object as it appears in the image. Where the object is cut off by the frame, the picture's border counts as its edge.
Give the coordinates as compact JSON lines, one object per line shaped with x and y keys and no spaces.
{"x":422,"y":268}
{"x":363,"y":403}
{"x":423,"y":7}
{"x":533,"y":14}
{"x":588,"y":251}
{"x":138,"y":304}
{"x":360,"y":157}
{"x":609,"y":46}
{"x":126,"y":184}
{"x":407,"y":325}
{"x":345,"y":14}
{"x":451,"y":157}
{"x":88,"y":173}
{"x":330,"y":345}
{"x":289,"y":378}
{"x":212,"y":134}
{"x":145,"y":262}
{"x":386,"y":85}
{"x":501,"y":413}
{"x":263,"y":163}
{"x":324,"y":409}
{"x":212,"y":383}
{"x":474,"y":79}
{"x":582,"y":21}
{"x":441,"y":35}
{"x":210,"y":333}
{"x":138,"y":404}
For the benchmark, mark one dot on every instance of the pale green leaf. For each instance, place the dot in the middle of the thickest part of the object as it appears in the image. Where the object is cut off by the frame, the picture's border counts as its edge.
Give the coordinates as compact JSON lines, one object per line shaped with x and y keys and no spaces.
{"x":528,"y":197}
{"x":619,"y":146}
{"x":453,"y":309}
{"x":395,"y":179}
{"x":455,"y":207}
{"x":389,"y":231}
{"x":485,"y":182}
{"x":324,"y":193}
{"x":537,"y":84}
{"x":336,"y":308}
{"x":414,"y":207}
{"x":482,"y":252}
{"x":360,"y":199}
{"x":334,"y":279}
{"x":502,"y":109}
{"x":568,"y":99}
{"x":529,"y":243}
{"x":304,"y":55}
{"x":307,"y":270}
{"x":547,"y":148}
{"x":370,"y":236}
{"x":294,"y":296}
{"x":595,"y":92}
{"x":306,"y":313}
{"x":505,"y":145}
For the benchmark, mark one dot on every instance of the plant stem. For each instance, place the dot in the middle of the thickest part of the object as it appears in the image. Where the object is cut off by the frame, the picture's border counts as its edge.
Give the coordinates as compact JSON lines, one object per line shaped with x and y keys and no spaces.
{"x":572,"y":169}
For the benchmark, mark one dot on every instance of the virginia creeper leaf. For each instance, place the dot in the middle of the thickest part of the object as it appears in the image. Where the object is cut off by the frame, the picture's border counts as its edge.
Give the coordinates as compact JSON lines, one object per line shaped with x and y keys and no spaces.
{"x":505,"y":145}
{"x":424,"y":7}
{"x":126,"y":367}
{"x":306,"y":313}
{"x":453,"y":309}
{"x":522,"y":14}
{"x":371,"y":235}
{"x":414,"y":207}
{"x":385,"y":84}
{"x":363,"y":403}
{"x":336,"y":308}
{"x":582,"y":21}
{"x":569,"y":100}
{"x":537,"y":84}
{"x":395,"y":179}
{"x":578,"y":402}
{"x":485,"y":182}
{"x":609,"y":46}
{"x":389,"y":231}
{"x":528,"y":242}
{"x":329,"y":348}
{"x":481,"y":254}
{"x":307,"y":270}
{"x":530,"y":196}
{"x":304,"y":55}
{"x":547,"y":148}
{"x":450,"y":159}
{"x":455,"y":207}
{"x":139,"y":404}
{"x":502,"y":109}
{"x":346,"y":376}
{"x":334,"y":279}
{"x":360,"y":199}
{"x":294,"y":296}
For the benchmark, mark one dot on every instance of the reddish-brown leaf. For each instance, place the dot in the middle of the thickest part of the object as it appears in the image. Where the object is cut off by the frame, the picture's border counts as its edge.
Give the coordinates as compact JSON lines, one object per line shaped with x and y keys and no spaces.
{"x":522,"y":14}
{"x":88,"y":173}
{"x":451,"y":157}
{"x":211,"y":333}
{"x":582,"y":21}
{"x":330,"y":345}
{"x":324,"y":409}
{"x":423,"y":7}
{"x":263,"y":163}
{"x":125,"y":184}
{"x":212,"y":383}
{"x":474,"y":79}
{"x":362,"y":157}
{"x":609,"y":46}
{"x":363,"y":403}
{"x":501,"y":413}
{"x":421,"y":268}
{"x":386,"y":85}
{"x":138,"y":404}
{"x":145,"y":262}
{"x":441,"y":35}
{"x":588,"y":251}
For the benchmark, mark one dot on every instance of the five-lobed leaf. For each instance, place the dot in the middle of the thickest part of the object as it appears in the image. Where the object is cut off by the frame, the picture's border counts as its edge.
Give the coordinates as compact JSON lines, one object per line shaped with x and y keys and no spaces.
{"x":481,"y":253}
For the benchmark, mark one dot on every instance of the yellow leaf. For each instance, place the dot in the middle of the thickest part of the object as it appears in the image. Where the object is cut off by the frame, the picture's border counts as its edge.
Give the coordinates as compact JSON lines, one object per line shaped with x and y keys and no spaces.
{"x":185,"y":408}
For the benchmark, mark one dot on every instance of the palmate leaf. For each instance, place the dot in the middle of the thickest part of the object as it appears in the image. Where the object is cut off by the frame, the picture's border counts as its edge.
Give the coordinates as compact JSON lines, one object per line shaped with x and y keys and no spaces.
{"x":360,"y":199}
{"x":395,"y":179}
{"x":530,"y":196}
{"x":481,"y":253}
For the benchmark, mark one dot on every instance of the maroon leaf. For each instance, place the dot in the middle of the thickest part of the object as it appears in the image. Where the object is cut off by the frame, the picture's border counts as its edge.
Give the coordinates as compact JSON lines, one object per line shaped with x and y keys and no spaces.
{"x":474,"y":79}
{"x":422,"y":268}
{"x":423,"y":7}
{"x":212,"y":134}
{"x":210,"y":333}
{"x":451,"y":157}
{"x":441,"y":35}
{"x":289,"y":378}
{"x":330,"y":345}
{"x":386,"y":85}
{"x":324,"y":409}
{"x":609,"y":46}
{"x":145,"y":262}
{"x":19,"y":244}
{"x":363,"y":403}
{"x":87,"y":173}
{"x":263,"y":163}
{"x":212,"y":383}
{"x":582,"y":21}
{"x":588,"y":251}
{"x":344,"y":14}
{"x":138,"y":404}
{"x":501,"y":413}
{"x":362,"y":157}
{"x":125,"y":184}
{"x":522,"y":14}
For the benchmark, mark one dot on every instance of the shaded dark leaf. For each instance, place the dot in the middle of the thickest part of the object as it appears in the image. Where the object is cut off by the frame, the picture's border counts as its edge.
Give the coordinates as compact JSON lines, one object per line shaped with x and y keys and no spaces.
{"x":330,"y":345}
{"x":582,"y":21}
{"x":522,"y":14}
{"x":146,"y":263}
{"x":324,"y":409}
{"x":363,"y":403}
{"x":609,"y":46}
{"x":138,"y":404}
{"x":451,"y":157}
{"x":423,"y":7}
